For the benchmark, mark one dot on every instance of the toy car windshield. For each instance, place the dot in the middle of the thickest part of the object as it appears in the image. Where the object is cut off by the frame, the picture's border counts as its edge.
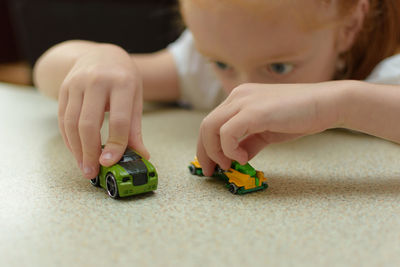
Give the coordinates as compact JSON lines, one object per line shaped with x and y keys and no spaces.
{"x":126,"y":159}
{"x":131,"y":154}
{"x":246,"y":168}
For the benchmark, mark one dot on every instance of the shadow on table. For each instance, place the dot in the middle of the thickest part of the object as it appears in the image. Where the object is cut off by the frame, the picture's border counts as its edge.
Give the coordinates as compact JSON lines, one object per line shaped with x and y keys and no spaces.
{"x":137,"y":197}
{"x":300,"y":187}
{"x":294,"y":187}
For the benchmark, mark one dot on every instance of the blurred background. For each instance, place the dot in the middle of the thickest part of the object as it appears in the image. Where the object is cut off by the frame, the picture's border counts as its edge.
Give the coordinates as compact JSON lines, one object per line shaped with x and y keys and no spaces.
{"x":29,"y":27}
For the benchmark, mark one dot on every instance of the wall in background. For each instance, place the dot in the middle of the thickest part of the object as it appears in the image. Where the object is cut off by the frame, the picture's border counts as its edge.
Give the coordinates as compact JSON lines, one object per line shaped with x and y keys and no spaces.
{"x":139,"y":26}
{"x":8,"y":44}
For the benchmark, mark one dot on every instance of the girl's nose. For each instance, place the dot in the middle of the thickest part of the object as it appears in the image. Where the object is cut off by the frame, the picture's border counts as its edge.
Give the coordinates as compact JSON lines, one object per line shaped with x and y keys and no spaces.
{"x":241,"y":78}
{"x":248,"y":77}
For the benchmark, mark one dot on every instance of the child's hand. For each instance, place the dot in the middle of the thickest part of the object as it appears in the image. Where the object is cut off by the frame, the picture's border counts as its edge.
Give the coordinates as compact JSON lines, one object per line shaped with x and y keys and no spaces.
{"x":255,"y":115}
{"x":105,"y":79}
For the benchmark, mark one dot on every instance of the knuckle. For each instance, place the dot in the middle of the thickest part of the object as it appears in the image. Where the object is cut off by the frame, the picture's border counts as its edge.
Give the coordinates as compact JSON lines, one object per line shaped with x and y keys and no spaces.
{"x":102,"y":77}
{"x":213,"y":152}
{"x":227,"y":141}
{"x":72,"y":87}
{"x":73,"y":79}
{"x":64,"y":88}
{"x":253,"y":121}
{"x":203,"y":125}
{"x":120,"y":121}
{"x":214,"y":155}
{"x":90,"y":155}
{"x":99,"y":81}
{"x":87,"y":126}
{"x":238,"y":89}
{"x":76,"y":150}
{"x":61,"y":118}
{"x":224,"y":131}
{"x":61,"y":122}
{"x":207,"y":123}
{"x":124,"y":78}
{"x":118,"y":144}
{"x":241,"y":90}
{"x":69,"y":122}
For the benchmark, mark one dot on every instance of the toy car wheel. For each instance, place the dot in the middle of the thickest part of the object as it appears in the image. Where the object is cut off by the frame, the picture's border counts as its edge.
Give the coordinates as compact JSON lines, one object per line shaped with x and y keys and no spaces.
{"x":265,"y":185}
{"x":112,"y":188}
{"x":233,"y":188}
{"x":95,"y":181}
{"x":219,"y":170}
{"x":192,"y":169}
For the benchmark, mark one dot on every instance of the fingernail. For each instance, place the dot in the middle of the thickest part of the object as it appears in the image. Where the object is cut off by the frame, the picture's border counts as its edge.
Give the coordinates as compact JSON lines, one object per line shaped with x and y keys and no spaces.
{"x":107,"y":156}
{"x":87,"y":170}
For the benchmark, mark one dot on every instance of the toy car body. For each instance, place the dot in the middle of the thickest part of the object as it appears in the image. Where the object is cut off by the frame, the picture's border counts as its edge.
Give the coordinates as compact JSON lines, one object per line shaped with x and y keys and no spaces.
{"x":240,"y":179}
{"x":131,"y":175}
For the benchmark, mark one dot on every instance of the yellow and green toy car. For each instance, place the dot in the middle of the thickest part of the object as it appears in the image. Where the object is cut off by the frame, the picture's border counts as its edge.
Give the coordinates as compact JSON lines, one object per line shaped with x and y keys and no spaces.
{"x":131,"y":175}
{"x":240,"y":179}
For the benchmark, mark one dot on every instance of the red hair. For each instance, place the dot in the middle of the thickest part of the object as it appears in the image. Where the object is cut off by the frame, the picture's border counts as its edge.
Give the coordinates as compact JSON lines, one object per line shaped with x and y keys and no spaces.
{"x":378,"y":39}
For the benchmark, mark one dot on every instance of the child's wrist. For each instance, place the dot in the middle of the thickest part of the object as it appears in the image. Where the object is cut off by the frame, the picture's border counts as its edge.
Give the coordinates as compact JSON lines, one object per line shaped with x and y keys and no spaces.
{"x":346,"y":101}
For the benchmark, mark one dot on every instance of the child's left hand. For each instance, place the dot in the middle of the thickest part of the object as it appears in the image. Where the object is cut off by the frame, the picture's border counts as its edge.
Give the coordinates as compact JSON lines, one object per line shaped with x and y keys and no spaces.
{"x":256,"y":115}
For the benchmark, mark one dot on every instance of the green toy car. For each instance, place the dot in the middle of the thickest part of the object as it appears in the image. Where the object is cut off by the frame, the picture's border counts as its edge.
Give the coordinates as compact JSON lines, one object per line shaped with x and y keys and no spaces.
{"x":131,"y":175}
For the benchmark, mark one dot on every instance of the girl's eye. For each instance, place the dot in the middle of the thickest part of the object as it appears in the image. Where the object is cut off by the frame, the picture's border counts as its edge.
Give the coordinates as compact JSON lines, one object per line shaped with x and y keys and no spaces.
{"x":221,"y":65}
{"x":280,"y":68}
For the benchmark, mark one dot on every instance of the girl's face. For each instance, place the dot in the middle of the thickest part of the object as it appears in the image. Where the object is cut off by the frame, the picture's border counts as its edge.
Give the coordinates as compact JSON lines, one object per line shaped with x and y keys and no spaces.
{"x":259,"y":44}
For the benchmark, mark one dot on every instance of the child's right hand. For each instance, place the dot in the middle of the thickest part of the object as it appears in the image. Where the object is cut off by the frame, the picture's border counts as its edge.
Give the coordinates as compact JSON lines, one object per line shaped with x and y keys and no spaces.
{"x":104,"y":79}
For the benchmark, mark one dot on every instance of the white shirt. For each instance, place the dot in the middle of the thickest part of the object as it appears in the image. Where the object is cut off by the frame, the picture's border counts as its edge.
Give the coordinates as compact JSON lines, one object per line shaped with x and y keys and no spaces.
{"x":200,"y":88}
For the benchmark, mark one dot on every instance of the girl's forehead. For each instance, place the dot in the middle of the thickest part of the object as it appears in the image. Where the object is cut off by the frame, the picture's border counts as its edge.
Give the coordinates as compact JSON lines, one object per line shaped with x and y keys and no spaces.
{"x":309,"y":13}
{"x":265,"y":4}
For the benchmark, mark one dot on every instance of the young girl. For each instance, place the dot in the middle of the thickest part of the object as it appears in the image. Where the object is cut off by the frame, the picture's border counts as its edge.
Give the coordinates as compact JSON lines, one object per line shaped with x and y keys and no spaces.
{"x":282,"y":69}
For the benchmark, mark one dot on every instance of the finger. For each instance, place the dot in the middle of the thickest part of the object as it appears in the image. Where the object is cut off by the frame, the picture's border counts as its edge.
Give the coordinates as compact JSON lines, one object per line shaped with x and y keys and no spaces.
{"x":62,"y":105}
{"x":255,"y":143}
{"x":207,"y":164}
{"x":121,"y":102}
{"x":90,"y":122}
{"x":71,"y":120}
{"x":210,"y":135}
{"x":135,"y":139}
{"x":234,"y":130}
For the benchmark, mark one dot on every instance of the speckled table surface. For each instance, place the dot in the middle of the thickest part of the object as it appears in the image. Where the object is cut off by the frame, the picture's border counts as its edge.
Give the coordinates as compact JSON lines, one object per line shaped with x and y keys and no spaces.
{"x":333,"y":200}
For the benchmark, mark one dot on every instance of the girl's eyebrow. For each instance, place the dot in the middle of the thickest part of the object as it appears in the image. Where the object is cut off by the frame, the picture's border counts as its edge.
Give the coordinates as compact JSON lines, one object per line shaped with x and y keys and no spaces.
{"x":282,"y":56}
{"x":287,"y":56}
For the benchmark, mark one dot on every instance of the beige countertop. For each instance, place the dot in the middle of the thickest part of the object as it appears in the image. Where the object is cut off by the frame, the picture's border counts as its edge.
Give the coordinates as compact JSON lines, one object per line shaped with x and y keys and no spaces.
{"x":333,"y":200}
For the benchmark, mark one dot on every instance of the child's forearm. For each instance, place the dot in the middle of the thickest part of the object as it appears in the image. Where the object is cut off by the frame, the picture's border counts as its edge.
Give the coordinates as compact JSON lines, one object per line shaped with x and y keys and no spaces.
{"x":371,"y":108}
{"x":159,"y":75}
